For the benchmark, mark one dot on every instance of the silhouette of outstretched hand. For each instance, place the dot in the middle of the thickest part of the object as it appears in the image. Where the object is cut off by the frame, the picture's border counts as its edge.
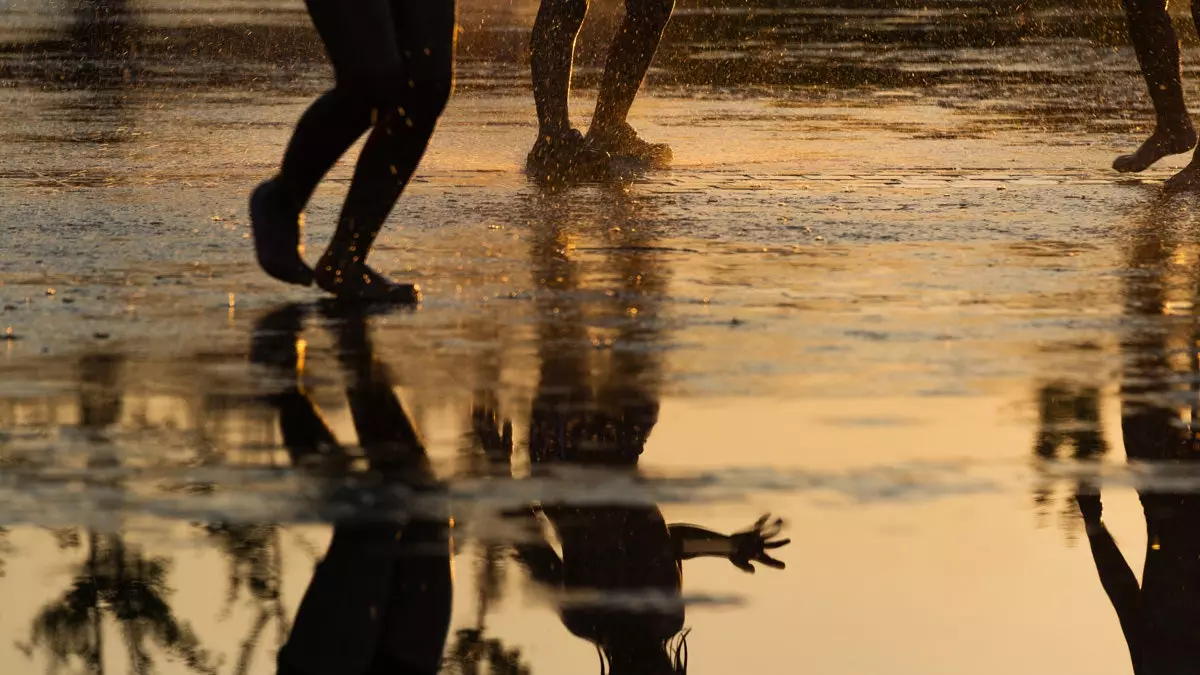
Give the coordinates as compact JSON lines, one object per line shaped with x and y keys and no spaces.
{"x":752,"y":545}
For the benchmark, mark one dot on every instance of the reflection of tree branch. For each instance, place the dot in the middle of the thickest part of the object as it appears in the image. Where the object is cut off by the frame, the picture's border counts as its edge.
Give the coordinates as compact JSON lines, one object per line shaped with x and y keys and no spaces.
{"x":255,"y":561}
{"x":1069,"y":427}
{"x":246,"y":654}
{"x":131,"y":588}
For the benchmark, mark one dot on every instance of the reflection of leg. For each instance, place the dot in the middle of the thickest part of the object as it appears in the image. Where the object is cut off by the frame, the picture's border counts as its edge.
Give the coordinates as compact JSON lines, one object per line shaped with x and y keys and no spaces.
{"x":417,"y":610}
{"x":385,"y":432}
{"x":276,"y":344}
{"x":337,"y":627}
{"x":1157,"y":49}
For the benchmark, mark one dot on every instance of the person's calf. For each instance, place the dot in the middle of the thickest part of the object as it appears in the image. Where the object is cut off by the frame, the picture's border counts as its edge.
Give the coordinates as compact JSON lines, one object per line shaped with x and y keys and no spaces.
{"x":649,"y":13}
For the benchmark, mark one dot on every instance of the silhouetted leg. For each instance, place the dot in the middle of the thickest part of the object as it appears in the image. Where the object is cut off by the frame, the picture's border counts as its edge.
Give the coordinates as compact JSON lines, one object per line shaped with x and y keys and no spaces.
{"x":397,"y":56}
{"x":560,"y":152}
{"x":1189,"y":177}
{"x":628,"y":61}
{"x":1157,"y":49}
{"x":330,"y":125}
{"x":552,"y":53}
{"x":326,"y":130}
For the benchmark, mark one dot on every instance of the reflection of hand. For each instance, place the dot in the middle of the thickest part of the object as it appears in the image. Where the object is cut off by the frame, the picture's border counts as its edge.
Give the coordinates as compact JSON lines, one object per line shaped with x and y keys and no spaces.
{"x":752,"y":545}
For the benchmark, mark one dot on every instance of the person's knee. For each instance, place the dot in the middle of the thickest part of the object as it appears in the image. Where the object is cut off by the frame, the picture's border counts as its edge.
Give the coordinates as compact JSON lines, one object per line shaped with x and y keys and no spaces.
{"x":412,"y":98}
{"x":652,"y":12}
{"x":427,"y":97}
{"x":379,"y":87}
{"x":1142,"y":7}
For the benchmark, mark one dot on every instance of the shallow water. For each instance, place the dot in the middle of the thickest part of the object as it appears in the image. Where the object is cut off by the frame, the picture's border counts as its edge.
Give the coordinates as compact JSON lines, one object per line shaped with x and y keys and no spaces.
{"x":889,"y":290}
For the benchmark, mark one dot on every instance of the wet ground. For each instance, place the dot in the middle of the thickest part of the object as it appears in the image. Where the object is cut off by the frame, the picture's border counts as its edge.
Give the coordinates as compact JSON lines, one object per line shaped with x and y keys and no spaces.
{"x":889,"y":291}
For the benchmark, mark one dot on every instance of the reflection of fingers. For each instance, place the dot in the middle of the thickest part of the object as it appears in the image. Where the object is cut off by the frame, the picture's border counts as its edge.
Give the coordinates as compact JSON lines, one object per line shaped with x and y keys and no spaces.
{"x":771,"y":562}
{"x":777,"y":544}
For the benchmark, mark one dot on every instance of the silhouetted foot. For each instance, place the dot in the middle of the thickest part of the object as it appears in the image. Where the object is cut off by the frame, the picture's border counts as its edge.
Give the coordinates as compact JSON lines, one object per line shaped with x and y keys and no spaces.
{"x":623,"y":143}
{"x":358,"y":283}
{"x":1159,"y":145}
{"x":566,"y":157}
{"x":277,"y":236}
{"x":1187,"y":180}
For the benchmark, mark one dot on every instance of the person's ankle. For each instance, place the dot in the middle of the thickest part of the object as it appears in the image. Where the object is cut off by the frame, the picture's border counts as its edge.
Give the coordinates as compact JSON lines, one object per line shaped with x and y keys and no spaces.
{"x":288,"y":199}
{"x":553,"y":130}
{"x":602,"y":128}
{"x":1175,"y":127}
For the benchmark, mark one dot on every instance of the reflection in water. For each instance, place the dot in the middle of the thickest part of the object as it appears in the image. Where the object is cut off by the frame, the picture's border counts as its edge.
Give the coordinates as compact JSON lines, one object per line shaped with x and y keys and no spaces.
{"x":380,"y":599}
{"x":1160,"y":618}
{"x":255,"y":559}
{"x":116,"y":580}
{"x":619,"y":573}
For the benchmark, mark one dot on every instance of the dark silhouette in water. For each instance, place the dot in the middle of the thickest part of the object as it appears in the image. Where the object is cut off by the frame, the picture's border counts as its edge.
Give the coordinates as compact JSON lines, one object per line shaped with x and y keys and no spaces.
{"x":561,"y":150}
{"x":117,"y":582}
{"x":1160,"y":617}
{"x":598,"y":412}
{"x":379,"y":601}
{"x":394,"y":67}
{"x":1157,"y":48}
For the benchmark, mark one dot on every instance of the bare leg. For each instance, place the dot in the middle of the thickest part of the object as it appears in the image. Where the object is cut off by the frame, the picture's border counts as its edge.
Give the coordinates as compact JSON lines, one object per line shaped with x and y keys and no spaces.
{"x":560,"y":151}
{"x":629,"y":59}
{"x":552,"y":55}
{"x":1157,"y":49}
{"x":1189,"y":177}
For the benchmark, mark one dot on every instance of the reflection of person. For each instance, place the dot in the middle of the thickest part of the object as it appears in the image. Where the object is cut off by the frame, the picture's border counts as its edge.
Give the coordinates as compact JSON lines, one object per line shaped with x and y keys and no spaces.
{"x":561,"y":150}
{"x":1159,"y":616}
{"x":1157,"y":49}
{"x":588,"y":414}
{"x":393,"y":61}
{"x":380,"y":600}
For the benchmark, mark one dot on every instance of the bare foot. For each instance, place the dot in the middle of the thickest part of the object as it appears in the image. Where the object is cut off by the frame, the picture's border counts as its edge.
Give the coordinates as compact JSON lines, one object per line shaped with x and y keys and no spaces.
{"x":1159,"y":145}
{"x":1187,"y":180}
{"x":277,"y":236}
{"x":358,"y":283}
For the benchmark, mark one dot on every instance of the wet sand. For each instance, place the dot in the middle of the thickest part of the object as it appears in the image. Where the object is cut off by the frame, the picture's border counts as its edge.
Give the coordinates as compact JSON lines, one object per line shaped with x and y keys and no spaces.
{"x":889,"y":290}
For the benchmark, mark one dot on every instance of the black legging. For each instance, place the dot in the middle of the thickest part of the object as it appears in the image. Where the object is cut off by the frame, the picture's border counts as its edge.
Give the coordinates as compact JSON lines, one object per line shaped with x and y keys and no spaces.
{"x":394,"y":66}
{"x":553,"y":46}
{"x":1157,"y":49}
